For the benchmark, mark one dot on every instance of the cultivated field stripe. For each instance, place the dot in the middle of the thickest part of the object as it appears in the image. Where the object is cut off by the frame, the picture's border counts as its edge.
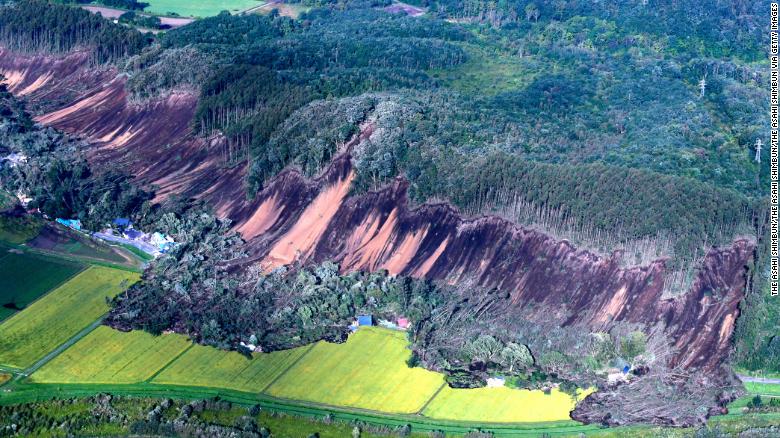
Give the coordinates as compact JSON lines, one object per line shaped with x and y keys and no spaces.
{"x":29,"y":335}
{"x":292,"y":365}
{"x":425,"y":406}
{"x":157,"y":373}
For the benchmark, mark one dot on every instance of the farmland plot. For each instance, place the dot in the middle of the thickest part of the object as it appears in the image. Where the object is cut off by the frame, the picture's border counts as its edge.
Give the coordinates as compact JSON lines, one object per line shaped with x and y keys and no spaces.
{"x":25,"y":277}
{"x":210,"y":367}
{"x":111,"y":356}
{"x":27,"y":336}
{"x":201,"y":8}
{"x":369,"y":371}
{"x":500,"y":405}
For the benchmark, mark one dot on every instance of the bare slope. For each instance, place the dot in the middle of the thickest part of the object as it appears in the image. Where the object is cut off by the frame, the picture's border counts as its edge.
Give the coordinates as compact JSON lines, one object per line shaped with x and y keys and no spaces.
{"x":316,"y":219}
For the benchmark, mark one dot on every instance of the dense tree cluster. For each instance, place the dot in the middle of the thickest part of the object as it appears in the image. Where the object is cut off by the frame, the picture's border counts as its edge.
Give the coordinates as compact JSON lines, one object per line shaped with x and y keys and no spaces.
{"x":55,"y":174}
{"x":34,"y":25}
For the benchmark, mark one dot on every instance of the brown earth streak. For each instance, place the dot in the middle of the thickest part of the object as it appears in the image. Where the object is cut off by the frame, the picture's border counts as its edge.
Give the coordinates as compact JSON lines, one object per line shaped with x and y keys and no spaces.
{"x":316,"y":219}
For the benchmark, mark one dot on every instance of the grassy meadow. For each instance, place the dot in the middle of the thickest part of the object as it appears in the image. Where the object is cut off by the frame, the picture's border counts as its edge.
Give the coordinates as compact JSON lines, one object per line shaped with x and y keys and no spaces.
{"x":29,"y":335}
{"x":369,"y":371}
{"x":111,"y":356}
{"x":500,"y":405}
{"x":24,"y":277}
{"x":200,"y":8}
{"x":210,"y":367}
{"x":762,"y":388}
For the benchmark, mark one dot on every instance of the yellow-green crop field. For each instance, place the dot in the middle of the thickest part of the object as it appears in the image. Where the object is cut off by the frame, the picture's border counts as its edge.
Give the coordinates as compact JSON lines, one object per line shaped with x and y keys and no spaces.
{"x":210,"y":367}
{"x":369,"y":371}
{"x":501,"y":405}
{"x":27,"y":336}
{"x":111,"y":356}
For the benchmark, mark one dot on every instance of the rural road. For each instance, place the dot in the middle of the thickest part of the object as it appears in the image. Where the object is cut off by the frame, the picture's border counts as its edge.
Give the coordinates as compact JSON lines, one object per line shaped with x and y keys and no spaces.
{"x":745,"y":378}
{"x":45,"y":359}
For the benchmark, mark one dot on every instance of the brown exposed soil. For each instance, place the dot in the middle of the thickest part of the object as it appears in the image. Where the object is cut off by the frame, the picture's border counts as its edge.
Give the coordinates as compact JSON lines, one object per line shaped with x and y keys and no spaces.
{"x":315,"y":219}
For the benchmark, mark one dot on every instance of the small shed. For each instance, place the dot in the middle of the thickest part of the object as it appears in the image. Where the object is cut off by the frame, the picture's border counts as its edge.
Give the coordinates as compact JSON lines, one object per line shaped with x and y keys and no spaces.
{"x":133,"y":234}
{"x":496,"y":382}
{"x":74,"y":224}
{"x":122,"y":222}
{"x":365,"y":320}
{"x":403,"y":323}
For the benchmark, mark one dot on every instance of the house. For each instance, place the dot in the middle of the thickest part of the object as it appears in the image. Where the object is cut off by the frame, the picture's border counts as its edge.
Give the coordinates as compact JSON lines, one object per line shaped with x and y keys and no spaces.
{"x":133,"y":234}
{"x":73,"y":224}
{"x":15,"y":159}
{"x":403,"y":323}
{"x":365,"y":320}
{"x":122,"y":222}
{"x":496,"y":382}
{"x":163,"y":242}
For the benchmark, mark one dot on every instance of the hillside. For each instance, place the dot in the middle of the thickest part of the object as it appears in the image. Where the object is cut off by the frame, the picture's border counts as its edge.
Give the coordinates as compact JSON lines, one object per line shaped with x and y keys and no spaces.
{"x":580,"y":186}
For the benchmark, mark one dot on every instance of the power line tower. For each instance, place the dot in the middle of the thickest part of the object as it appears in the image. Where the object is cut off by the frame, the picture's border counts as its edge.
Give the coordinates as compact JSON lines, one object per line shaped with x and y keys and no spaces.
{"x":758,"y":150}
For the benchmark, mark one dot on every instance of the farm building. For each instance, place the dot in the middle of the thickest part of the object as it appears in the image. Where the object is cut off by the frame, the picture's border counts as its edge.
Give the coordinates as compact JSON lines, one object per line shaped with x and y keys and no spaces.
{"x":74,"y":224}
{"x":122,"y":222}
{"x":496,"y":382}
{"x":133,"y":234}
{"x":365,"y":320}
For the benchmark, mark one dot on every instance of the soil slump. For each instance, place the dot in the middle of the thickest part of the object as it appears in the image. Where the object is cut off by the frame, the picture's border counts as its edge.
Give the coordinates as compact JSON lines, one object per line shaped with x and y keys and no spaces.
{"x":295,"y":218}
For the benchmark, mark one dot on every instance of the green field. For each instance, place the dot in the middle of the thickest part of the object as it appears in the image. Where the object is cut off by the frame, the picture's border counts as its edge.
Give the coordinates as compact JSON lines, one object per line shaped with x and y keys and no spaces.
{"x":210,"y":367}
{"x":27,"y":336}
{"x":19,"y":229}
{"x":763,"y":388}
{"x":369,"y":371}
{"x":111,"y":356}
{"x":24,"y":277}
{"x":201,"y":8}
{"x":500,"y":405}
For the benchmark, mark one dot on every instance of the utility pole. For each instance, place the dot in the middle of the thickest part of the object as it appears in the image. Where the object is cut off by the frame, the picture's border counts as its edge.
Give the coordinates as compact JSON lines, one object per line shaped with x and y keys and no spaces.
{"x":758,"y":150}
{"x":702,"y":87}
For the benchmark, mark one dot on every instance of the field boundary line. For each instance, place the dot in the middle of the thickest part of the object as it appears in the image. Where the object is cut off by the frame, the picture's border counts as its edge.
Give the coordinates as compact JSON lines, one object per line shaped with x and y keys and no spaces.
{"x":61,"y":348}
{"x":430,"y":399}
{"x":170,"y":362}
{"x":295,"y":362}
{"x":83,"y":269}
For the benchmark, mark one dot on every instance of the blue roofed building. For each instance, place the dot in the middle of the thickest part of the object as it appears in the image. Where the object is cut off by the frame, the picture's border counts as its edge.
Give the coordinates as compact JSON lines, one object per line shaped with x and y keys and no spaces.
{"x":122,"y":222}
{"x":365,"y":320}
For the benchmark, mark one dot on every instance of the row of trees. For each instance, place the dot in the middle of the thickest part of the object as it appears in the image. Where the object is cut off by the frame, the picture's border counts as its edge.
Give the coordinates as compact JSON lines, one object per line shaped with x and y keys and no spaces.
{"x":36,"y":25}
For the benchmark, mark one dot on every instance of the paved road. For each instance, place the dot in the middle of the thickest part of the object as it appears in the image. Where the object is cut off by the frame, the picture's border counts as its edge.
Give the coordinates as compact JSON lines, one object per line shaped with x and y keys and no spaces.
{"x":745,"y":378}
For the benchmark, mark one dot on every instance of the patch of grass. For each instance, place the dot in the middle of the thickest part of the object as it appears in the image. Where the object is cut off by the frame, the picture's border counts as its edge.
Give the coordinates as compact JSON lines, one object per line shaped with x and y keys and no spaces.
{"x":200,"y":8}
{"x":369,"y":371}
{"x":24,"y":277}
{"x":501,"y":405}
{"x":19,"y":229}
{"x":143,"y":256}
{"x":762,"y":388}
{"x":29,"y":335}
{"x":488,"y":71}
{"x":111,"y":356}
{"x":210,"y":367}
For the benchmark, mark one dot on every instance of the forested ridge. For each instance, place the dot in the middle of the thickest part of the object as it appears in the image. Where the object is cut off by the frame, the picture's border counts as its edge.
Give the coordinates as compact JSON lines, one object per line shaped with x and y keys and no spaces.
{"x":37,"y":25}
